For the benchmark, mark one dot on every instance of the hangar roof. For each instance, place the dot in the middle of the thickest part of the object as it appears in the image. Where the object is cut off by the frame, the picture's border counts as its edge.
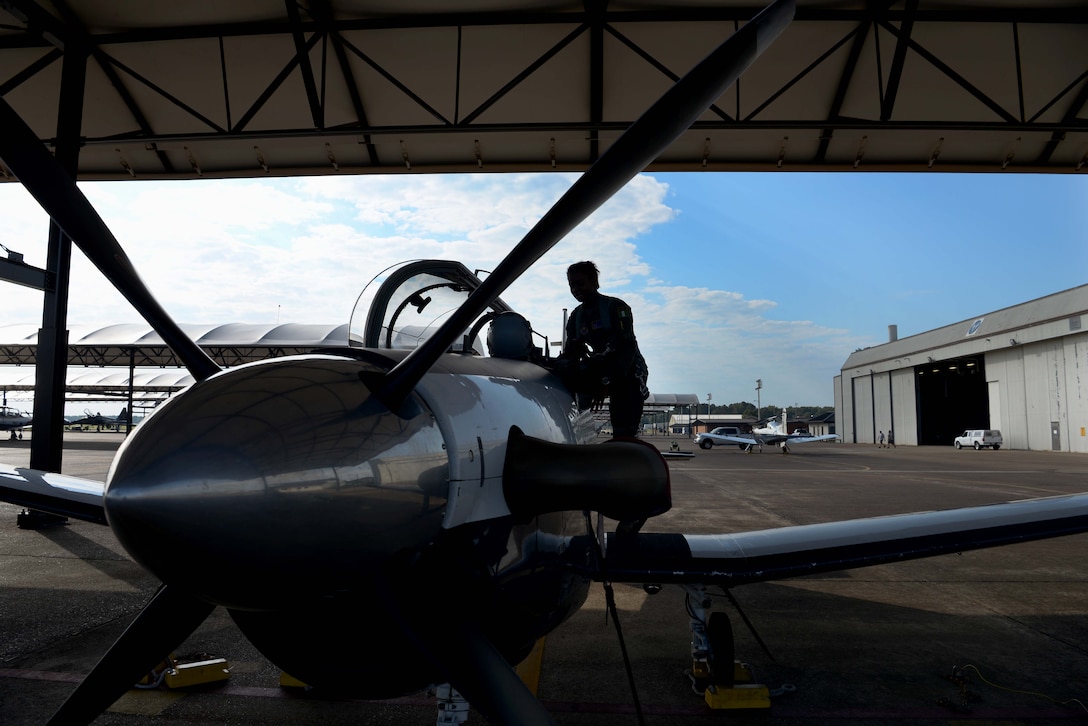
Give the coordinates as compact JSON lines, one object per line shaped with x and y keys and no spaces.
{"x":119,"y":345}
{"x":1071,"y":304}
{"x":267,"y":87}
{"x":149,"y":387}
{"x":660,"y":400}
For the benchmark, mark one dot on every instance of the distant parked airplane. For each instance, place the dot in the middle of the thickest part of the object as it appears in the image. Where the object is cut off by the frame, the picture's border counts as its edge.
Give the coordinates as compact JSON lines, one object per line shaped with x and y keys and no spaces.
{"x":14,"y":420}
{"x":97,"y":419}
{"x":774,"y":433}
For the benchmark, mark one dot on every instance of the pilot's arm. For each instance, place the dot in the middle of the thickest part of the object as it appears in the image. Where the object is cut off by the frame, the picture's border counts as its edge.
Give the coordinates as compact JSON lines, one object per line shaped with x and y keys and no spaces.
{"x":574,"y":347}
{"x":622,"y":346}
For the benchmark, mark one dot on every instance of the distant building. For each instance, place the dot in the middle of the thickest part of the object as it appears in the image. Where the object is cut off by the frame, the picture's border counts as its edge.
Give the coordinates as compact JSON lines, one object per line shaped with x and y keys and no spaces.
{"x":1020,"y":369}
{"x":701,"y":423}
{"x":821,"y":424}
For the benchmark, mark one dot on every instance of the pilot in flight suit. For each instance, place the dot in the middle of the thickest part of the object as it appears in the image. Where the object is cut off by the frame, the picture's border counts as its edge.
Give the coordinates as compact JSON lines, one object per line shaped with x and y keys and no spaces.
{"x":600,"y":356}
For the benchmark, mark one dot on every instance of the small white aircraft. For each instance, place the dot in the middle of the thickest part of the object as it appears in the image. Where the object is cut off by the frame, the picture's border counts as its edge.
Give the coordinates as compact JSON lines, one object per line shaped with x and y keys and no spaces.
{"x":774,"y":433}
{"x":14,"y":420}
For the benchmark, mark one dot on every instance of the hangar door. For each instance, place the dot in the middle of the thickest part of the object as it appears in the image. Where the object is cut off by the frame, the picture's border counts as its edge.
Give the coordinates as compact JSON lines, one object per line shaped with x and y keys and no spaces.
{"x":952,"y":396}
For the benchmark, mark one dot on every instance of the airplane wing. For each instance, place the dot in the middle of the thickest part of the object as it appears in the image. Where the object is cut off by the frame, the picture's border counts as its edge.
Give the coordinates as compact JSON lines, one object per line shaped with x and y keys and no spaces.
{"x":809,"y":439}
{"x":775,"y":554}
{"x":772,"y":439}
{"x":46,"y":491}
{"x":743,"y":439}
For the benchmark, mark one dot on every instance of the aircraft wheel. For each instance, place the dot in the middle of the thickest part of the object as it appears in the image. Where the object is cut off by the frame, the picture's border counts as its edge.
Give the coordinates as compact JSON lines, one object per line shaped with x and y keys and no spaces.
{"x":719,"y":635}
{"x":706,"y":444}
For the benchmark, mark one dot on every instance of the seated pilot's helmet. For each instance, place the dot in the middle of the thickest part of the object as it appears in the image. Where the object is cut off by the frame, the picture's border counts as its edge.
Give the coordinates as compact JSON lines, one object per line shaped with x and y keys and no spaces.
{"x":510,"y":336}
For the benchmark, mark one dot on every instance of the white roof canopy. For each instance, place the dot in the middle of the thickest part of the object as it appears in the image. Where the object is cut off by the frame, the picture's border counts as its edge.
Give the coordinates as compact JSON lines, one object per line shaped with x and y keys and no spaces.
{"x":137,"y":344}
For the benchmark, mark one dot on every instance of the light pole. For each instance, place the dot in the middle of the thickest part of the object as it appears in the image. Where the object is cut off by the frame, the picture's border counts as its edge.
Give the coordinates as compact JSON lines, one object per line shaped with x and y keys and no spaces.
{"x":759,"y":385}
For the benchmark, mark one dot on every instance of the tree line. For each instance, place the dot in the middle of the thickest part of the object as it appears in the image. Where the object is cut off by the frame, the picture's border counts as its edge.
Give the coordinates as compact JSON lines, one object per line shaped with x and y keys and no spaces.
{"x":748,"y":410}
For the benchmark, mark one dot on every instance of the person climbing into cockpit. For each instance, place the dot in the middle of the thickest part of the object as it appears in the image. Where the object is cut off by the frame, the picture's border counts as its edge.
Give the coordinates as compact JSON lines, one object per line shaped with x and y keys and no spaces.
{"x":600,"y":354}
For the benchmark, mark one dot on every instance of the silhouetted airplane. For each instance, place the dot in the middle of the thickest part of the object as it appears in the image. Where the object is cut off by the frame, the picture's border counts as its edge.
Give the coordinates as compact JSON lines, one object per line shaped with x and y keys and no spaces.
{"x":14,"y":420}
{"x":771,"y":434}
{"x":97,"y":419}
{"x":327,"y":498}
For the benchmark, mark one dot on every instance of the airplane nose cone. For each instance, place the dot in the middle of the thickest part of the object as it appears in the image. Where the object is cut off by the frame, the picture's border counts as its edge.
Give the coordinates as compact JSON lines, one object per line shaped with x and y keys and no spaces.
{"x":277,"y":481}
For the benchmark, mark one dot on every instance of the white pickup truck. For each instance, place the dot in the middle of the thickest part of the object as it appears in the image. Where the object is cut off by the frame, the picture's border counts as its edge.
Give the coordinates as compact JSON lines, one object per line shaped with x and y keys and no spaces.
{"x":979,"y":438}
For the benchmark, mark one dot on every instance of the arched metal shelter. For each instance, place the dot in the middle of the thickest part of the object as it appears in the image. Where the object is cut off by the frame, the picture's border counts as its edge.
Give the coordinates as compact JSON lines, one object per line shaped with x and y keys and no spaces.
{"x":127,"y":345}
{"x":131,"y":362}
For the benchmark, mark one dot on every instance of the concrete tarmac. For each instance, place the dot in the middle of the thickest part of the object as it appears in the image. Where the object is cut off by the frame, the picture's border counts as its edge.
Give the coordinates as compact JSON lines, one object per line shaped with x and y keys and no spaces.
{"x":867,"y":646}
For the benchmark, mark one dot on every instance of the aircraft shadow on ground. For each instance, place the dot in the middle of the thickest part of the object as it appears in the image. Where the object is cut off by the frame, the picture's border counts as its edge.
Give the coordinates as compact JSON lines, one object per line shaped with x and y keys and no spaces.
{"x":845,"y":654}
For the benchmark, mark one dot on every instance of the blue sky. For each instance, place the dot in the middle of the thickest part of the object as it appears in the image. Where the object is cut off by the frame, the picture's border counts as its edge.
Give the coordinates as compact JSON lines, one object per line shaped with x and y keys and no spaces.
{"x":732,"y":277}
{"x":862,"y":251}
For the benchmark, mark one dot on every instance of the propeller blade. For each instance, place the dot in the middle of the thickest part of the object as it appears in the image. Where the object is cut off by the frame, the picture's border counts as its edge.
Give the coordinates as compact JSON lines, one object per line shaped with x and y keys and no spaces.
{"x":59,"y":196}
{"x":481,"y":674}
{"x":644,"y":141}
{"x":450,"y":637}
{"x":161,"y":626}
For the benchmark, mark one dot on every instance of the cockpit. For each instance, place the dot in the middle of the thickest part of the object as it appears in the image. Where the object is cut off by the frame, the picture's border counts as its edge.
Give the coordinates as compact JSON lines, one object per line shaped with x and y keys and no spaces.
{"x":406,"y":303}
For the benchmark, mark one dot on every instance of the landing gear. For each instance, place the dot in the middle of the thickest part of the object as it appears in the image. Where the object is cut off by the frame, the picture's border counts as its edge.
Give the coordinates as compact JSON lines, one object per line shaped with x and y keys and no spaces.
{"x":723,"y":681}
{"x":33,"y":519}
{"x":452,"y":706}
{"x":721,"y":651}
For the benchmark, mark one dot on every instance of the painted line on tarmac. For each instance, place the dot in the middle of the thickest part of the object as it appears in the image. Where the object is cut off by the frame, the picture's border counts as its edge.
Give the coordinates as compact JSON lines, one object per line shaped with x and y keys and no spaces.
{"x":988,"y":472}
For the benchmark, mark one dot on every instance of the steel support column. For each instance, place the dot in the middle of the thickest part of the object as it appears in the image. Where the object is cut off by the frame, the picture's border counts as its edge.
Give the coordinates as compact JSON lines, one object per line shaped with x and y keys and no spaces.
{"x":51,"y":366}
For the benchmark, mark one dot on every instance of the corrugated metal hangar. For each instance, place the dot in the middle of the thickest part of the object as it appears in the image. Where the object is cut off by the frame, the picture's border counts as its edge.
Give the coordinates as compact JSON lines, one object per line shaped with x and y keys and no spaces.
{"x":1021,"y":370}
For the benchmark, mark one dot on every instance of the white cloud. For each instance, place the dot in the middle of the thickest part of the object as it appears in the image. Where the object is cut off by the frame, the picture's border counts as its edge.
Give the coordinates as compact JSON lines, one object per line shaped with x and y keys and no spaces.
{"x":301,"y":250}
{"x":699,"y":340}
